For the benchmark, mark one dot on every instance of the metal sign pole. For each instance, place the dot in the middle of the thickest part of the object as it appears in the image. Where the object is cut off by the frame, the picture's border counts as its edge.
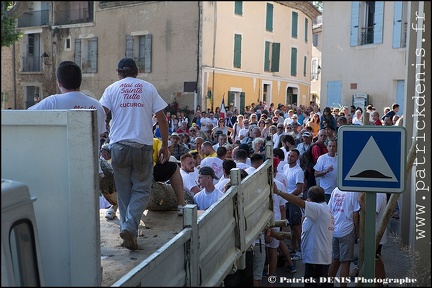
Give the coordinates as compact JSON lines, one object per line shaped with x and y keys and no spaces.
{"x":369,"y":238}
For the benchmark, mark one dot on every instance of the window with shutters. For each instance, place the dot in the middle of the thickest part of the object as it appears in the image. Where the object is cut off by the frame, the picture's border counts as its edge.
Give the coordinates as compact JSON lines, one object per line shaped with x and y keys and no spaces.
{"x":294,"y":25}
{"x":139,"y":48}
{"x":367,"y":19}
{"x":86,"y":54}
{"x":271,"y":57}
{"x":269,"y":18}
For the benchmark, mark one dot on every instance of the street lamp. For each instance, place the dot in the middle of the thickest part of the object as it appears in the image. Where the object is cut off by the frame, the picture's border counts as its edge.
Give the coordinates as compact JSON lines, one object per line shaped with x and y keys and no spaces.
{"x":45,"y":59}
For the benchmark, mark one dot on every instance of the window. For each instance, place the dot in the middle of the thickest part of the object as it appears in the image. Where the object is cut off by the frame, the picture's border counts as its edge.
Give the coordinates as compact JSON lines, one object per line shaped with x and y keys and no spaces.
{"x":367,"y":19}
{"x":306,"y":29}
{"x":294,"y":22}
{"x":293,"y":61}
{"x":269,"y":18}
{"x":238,"y":7}
{"x":315,"y":68}
{"x":23,"y":251}
{"x":237,"y":50}
{"x":315,"y":40}
{"x":139,"y":48}
{"x":31,"y":59}
{"x":86,"y":54}
{"x":400,"y":24}
{"x":68,"y":43}
{"x":271,"y":57}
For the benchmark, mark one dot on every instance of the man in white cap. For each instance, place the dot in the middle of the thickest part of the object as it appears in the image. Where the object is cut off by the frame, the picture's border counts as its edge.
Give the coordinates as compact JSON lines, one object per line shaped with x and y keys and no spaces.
{"x":209,"y":195}
{"x":304,"y":145}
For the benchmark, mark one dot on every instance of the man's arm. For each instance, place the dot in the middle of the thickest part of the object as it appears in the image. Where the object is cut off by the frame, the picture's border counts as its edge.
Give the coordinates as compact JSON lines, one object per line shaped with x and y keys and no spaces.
{"x":298,"y":189}
{"x":289,"y":197}
{"x":163,"y":129}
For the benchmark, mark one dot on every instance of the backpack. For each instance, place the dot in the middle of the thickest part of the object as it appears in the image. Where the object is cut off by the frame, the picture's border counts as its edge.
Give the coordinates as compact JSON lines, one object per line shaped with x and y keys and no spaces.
{"x":307,"y":163}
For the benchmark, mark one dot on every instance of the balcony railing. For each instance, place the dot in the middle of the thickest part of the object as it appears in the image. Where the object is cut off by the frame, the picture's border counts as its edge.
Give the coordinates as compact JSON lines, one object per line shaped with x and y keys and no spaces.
{"x":34,"y":18}
{"x":31,"y":64}
{"x":73,"y":16}
{"x":367,"y":35}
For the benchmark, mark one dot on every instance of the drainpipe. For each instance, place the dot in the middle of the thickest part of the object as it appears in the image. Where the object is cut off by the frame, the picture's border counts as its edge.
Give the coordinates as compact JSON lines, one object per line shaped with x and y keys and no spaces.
{"x":14,"y":75}
{"x":214,"y":51}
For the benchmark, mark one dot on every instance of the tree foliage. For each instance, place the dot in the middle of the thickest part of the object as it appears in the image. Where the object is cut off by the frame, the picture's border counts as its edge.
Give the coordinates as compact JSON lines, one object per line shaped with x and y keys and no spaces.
{"x":9,"y":34}
{"x":318,"y":5}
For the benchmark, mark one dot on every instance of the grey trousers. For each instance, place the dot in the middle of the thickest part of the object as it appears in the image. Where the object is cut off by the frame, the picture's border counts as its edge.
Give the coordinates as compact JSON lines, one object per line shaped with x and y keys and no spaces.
{"x":133,"y":175}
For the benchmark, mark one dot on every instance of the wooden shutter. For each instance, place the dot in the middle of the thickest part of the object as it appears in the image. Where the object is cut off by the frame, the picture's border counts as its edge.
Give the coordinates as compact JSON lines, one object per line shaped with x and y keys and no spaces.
{"x":355,"y":10}
{"x":378,"y":22}
{"x":269,"y":18}
{"x":397,"y":24}
{"x":129,"y":46}
{"x":267,"y":56}
{"x":237,"y":51}
{"x":148,"y":53}
{"x":293,"y":61}
{"x":294,"y":24}
{"x":93,"y":54}
{"x":242,"y":102}
{"x":77,"y":57}
{"x":306,"y":29}
{"x":238,"y":7}
{"x":275,"y":57}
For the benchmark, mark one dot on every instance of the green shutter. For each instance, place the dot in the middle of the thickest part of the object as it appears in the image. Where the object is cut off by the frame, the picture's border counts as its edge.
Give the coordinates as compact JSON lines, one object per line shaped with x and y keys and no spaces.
{"x":293,"y":61}
{"x":294,"y":25}
{"x":231,"y":99}
{"x":304,"y":65}
{"x":306,"y":29}
{"x":238,"y":7}
{"x":267,"y":56}
{"x":269,"y":18}
{"x":237,"y":51}
{"x":275,"y":57}
{"x":242,"y":102}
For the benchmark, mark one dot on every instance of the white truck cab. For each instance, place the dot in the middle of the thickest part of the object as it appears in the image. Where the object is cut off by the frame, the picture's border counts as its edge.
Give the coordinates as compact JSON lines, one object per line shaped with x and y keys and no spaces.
{"x":20,"y":253}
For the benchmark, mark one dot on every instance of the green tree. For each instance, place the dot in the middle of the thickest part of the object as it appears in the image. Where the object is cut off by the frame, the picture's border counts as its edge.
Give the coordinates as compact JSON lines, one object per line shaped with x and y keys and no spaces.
{"x":318,"y":5}
{"x":9,"y":13}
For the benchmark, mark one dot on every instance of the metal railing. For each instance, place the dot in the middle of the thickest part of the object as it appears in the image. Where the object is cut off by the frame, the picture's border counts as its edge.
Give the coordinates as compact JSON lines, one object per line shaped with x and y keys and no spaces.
{"x":34,"y":18}
{"x":31,"y":64}
{"x":72,"y":16}
{"x":367,"y":35}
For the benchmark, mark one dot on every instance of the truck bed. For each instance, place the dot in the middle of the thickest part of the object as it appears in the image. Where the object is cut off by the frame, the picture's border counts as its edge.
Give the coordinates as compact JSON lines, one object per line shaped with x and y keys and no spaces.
{"x":156,"y":229}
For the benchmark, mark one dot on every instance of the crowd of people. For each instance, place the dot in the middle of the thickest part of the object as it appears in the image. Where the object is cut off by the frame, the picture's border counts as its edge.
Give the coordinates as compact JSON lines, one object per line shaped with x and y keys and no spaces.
{"x":142,"y":143}
{"x":305,"y":159}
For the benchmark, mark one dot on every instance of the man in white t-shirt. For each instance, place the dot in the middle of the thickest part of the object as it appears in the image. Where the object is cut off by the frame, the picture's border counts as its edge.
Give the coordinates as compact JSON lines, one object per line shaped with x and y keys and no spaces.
{"x":326,"y":169}
{"x":295,"y":180}
{"x":209,"y":195}
{"x":345,"y":208}
{"x":317,"y":233}
{"x":131,"y":101}
{"x":69,"y":78}
{"x":215,"y":162}
{"x":188,"y":171}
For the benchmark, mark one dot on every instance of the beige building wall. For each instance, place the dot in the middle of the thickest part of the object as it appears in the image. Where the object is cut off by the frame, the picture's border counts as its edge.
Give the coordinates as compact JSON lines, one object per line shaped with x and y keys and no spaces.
{"x":218,"y":55}
{"x":372,"y":69}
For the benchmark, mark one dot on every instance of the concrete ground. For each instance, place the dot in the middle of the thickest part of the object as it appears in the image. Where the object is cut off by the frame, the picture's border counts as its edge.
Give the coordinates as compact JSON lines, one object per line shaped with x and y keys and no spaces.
{"x":396,"y":261}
